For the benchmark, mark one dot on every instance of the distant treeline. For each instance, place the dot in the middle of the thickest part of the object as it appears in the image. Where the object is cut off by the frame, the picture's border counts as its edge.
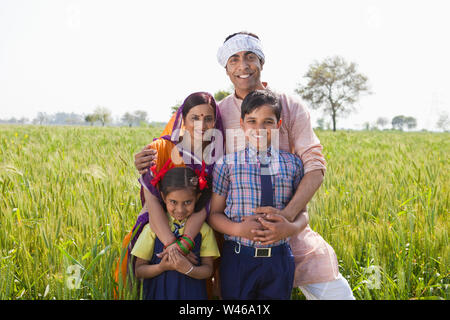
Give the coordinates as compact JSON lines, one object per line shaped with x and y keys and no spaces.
{"x":100,"y":116}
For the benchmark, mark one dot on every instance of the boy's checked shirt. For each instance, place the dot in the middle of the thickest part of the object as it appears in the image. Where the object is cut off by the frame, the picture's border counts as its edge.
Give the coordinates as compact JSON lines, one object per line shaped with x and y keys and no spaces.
{"x":237,"y":177}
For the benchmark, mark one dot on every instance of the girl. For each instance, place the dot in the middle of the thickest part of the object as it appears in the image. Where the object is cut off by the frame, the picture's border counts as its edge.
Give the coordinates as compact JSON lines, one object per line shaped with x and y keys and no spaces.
{"x":173,"y":276}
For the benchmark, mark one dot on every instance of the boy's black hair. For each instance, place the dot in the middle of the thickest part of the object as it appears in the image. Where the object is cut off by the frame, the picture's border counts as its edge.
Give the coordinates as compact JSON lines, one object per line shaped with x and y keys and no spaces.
{"x":258,"y":98}
{"x":184,"y":177}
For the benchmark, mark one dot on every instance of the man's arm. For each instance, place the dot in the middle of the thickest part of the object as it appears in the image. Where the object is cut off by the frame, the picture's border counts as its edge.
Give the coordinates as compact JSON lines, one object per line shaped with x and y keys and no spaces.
{"x":306,"y":145}
{"x":308,"y":186}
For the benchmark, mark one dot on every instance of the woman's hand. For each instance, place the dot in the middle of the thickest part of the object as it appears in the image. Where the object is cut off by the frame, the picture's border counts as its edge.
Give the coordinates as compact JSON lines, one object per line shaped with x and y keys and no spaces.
{"x":145,"y":159}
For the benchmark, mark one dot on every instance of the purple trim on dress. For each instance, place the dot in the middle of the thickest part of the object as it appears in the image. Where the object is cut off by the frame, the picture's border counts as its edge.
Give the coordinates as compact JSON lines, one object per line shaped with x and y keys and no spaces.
{"x":141,"y":221}
{"x":166,"y":137}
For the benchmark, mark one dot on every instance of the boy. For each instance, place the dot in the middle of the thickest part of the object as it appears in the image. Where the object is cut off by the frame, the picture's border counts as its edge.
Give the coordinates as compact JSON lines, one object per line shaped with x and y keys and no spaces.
{"x":259,"y":175}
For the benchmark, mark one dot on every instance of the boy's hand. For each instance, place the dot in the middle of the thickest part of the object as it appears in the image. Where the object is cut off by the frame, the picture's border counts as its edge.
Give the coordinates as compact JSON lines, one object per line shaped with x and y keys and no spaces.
{"x":145,"y":159}
{"x":276,"y":228}
{"x":248,"y":225}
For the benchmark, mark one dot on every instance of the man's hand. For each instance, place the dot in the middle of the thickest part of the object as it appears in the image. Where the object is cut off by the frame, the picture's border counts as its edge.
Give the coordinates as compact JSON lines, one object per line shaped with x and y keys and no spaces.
{"x":276,"y":228}
{"x":145,"y":159}
{"x":290,"y":216}
{"x":262,"y":211}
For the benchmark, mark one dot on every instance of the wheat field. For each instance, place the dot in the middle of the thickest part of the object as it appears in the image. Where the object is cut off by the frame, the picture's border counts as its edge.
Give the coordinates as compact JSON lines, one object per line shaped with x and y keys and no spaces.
{"x":68,"y":196}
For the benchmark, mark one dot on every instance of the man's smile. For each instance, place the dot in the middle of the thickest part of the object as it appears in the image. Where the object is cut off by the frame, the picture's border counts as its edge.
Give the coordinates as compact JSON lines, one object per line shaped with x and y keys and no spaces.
{"x":244,"y":76}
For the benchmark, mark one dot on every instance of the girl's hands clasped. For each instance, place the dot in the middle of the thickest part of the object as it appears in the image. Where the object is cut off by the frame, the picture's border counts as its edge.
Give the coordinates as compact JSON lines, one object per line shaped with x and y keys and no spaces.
{"x":174,"y":260}
{"x":179,"y":262}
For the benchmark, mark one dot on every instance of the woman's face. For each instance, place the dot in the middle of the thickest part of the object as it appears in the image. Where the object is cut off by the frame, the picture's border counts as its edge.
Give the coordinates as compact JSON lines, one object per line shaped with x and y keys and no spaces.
{"x":199,"y":119}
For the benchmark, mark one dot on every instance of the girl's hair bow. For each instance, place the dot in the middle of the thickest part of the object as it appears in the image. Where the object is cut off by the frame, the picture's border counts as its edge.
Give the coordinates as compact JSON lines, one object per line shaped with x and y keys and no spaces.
{"x":157,"y":176}
{"x":202,"y":177}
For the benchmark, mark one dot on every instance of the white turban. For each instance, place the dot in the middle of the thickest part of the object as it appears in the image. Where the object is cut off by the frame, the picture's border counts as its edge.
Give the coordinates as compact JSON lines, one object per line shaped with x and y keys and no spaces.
{"x":238,"y":43}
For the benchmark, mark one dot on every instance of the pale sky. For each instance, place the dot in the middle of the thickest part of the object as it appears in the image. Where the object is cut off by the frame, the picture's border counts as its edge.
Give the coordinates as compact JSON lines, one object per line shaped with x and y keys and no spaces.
{"x":71,"y":56}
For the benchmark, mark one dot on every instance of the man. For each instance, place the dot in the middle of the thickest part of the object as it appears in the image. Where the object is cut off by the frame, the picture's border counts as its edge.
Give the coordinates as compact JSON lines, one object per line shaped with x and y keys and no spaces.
{"x":316,"y":271}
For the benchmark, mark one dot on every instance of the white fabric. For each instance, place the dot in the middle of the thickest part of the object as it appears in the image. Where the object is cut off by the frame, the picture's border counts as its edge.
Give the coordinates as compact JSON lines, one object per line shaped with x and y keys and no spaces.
{"x":238,"y":43}
{"x":338,"y":289}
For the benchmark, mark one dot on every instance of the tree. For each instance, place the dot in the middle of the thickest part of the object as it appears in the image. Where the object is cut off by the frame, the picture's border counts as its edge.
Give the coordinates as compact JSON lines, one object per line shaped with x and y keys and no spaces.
{"x":410,"y":122}
{"x":334,"y":86}
{"x":66,"y":118}
{"x":398,"y":122}
{"x":90,"y":118}
{"x":218,"y":96}
{"x":23,"y":120}
{"x":321,"y":123}
{"x":41,"y":118}
{"x":140,"y":116}
{"x":128,"y":118}
{"x":366,"y":126}
{"x":176,"y":107}
{"x":221,"y":94}
{"x":103,"y":115}
{"x":382,"y":122}
{"x":443,"y":121}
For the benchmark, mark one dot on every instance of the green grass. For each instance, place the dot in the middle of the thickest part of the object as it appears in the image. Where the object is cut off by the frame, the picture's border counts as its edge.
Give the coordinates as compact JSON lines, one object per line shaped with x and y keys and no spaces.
{"x":68,"y":195}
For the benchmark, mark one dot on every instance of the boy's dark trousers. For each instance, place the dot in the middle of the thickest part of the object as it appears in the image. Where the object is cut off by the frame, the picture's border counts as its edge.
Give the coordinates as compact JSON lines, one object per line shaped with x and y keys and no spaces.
{"x":246,"y":277}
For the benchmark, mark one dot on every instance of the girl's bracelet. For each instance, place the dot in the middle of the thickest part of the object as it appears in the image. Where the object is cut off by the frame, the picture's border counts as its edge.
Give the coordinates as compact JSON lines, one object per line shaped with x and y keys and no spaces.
{"x":189,"y":271}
